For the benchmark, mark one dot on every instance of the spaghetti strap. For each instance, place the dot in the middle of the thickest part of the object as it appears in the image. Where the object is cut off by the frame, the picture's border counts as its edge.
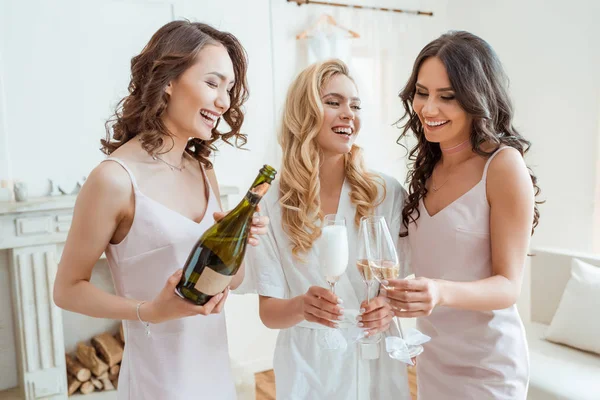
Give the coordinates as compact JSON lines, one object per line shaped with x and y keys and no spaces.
{"x":122,"y":164}
{"x":487,"y":164}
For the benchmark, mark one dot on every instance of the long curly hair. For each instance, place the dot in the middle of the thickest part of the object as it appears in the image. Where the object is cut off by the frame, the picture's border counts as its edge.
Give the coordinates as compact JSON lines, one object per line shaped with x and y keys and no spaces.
{"x":481,"y":88}
{"x":299,"y":184}
{"x":169,"y":53}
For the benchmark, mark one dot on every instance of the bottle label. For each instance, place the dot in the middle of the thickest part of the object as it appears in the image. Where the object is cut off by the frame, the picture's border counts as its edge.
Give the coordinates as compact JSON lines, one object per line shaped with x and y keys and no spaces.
{"x":211,"y":282}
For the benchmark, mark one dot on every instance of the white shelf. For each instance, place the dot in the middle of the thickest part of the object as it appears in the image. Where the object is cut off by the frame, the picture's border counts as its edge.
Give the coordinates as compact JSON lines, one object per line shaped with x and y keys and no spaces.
{"x":15,"y":394}
{"x":108,"y":395}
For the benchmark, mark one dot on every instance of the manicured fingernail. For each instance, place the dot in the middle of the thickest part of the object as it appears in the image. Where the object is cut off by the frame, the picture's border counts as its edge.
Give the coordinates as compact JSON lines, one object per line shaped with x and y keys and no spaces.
{"x":253,"y":230}
{"x":385,"y":282}
{"x":341,"y":317}
{"x":360,"y":324}
{"x":359,"y":318}
{"x":255,"y":220}
{"x":340,"y":310}
{"x":340,"y":301}
{"x":336,"y":325}
{"x":362,"y":310}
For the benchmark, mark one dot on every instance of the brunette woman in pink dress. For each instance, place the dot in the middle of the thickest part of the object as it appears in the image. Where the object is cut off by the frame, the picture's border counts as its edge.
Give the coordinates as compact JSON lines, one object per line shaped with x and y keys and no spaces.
{"x":470,"y":213}
{"x":147,"y":204}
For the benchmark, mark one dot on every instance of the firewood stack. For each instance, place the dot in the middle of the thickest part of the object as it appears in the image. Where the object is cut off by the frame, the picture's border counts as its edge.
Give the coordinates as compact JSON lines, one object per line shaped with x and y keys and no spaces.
{"x":95,"y":367}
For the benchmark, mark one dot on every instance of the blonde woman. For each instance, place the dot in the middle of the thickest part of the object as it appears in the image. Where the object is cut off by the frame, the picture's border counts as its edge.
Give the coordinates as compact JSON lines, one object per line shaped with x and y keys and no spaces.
{"x":323,"y":173}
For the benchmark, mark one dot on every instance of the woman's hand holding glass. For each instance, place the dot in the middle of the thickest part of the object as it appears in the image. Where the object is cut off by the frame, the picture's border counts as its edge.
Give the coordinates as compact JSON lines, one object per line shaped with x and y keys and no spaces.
{"x":322,"y":306}
{"x":376,"y":316}
{"x":412,"y":298}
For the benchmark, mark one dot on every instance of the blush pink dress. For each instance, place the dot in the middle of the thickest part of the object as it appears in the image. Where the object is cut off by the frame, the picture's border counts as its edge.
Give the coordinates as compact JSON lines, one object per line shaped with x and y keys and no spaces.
{"x":472,"y":354}
{"x":182,"y":359}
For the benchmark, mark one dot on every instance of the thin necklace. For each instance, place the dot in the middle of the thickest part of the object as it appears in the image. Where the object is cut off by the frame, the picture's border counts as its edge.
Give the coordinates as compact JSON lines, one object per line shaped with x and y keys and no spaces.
{"x":436,"y":188}
{"x":448,"y":150}
{"x":179,"y":168}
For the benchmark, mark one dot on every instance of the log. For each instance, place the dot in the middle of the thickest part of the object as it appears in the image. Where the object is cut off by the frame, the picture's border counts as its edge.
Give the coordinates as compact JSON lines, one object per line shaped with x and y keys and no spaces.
{"x":113,"y":372}
{"x":108,"y":348}
{"x":72,"y":384}
{"x":121,"y":333}
{"x":119,"y":339}
{"x":86,"y":387}
{"x":88,"y":357}
{"x":75,"y":368}
{"x":115,"y":383}
{"x":103,"y":375}
{"x":108,"y":384}
{"x":97,"y":384}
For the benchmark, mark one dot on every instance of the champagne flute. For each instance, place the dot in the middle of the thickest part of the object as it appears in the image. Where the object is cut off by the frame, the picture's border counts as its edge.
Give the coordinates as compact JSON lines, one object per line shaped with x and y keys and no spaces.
{"x":333,"y":249}
{"x":363,"y":258}
{"x":382,"y":257}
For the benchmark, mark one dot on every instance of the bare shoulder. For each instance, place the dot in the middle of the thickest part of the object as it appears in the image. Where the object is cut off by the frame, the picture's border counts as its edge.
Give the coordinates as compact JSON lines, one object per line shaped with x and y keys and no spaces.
{"x":108,"y":182}
{"x":506,"y":164}
{"x":508,"y":175}
{"x":111,"y":176}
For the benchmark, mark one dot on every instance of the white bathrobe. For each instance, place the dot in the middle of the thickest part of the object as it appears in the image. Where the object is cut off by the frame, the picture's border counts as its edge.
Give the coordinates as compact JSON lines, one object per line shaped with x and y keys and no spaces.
{"x":304,"y":370}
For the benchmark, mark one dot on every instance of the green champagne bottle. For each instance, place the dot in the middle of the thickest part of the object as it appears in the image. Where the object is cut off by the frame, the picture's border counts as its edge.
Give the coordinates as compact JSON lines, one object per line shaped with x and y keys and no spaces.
{"x":218,"y":254}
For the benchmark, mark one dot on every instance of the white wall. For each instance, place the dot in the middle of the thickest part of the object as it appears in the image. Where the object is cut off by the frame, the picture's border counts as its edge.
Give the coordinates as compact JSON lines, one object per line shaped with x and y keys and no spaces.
{"x":551,"y":52}
{"x":64,"y":64}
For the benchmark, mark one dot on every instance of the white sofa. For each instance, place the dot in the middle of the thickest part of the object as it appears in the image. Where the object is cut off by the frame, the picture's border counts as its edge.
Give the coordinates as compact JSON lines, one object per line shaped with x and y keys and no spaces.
{"x":557,"y":372}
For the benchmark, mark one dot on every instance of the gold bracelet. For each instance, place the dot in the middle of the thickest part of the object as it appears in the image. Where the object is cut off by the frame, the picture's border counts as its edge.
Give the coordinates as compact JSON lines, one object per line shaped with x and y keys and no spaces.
{"x":146,"y":324}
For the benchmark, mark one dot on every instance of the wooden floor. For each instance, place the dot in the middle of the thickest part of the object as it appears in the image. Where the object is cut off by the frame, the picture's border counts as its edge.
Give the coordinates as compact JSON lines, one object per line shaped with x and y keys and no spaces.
{"x":265,"y":384}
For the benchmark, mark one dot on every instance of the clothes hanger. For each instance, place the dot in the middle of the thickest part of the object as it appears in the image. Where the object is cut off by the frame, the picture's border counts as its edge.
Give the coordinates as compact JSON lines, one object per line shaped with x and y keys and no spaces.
{"x":325,"y":19}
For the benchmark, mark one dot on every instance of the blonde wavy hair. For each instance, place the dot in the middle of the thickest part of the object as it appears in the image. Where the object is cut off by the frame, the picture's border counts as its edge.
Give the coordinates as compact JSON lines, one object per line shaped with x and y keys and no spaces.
{"x":299,"y":184}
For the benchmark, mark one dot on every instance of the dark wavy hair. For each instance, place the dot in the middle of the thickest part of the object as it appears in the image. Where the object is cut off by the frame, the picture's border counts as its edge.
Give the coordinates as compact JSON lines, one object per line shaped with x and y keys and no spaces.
{"x":481,"y":88}
{"x":169,"y":53}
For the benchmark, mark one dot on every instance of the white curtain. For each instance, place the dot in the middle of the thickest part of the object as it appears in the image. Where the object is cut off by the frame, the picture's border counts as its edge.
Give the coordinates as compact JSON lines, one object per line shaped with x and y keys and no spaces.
{"x":380,"y":68}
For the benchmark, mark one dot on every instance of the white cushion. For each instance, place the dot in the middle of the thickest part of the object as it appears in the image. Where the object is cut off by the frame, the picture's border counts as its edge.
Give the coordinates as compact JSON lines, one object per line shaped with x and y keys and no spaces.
{"x":577,"y":319}
{"x":560,"y":372}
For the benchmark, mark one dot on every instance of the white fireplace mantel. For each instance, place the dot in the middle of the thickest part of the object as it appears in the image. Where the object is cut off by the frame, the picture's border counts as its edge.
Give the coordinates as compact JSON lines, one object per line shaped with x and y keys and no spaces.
{"x":33,"y":234}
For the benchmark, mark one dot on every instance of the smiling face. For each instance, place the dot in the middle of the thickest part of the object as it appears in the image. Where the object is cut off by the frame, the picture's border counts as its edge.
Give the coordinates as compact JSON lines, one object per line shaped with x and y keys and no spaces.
{"x":341,"y":117}
{"x":199,"y":97}
{"x":444,"y":120}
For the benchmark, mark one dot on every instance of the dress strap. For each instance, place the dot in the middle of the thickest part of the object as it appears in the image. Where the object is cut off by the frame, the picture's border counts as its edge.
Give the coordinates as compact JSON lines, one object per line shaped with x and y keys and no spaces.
{"x":211,"y":194}
{"x":487,"y":164}
{"x":126,"y":168}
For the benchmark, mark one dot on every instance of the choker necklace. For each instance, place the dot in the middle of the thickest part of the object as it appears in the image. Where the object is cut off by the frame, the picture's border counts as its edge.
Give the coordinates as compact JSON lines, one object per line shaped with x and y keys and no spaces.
{"x":179,"y":168}
{"x":455,"y":149}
